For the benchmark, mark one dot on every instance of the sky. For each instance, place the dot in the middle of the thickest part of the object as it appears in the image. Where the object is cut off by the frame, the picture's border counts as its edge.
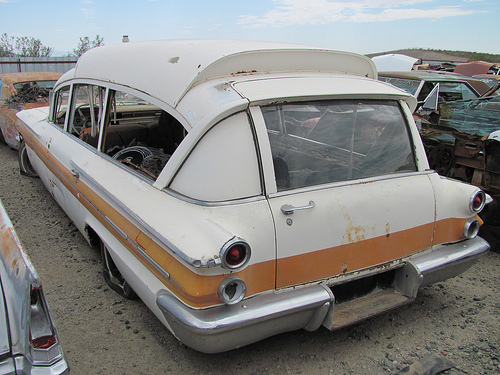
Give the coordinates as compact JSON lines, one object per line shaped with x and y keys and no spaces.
{"x":362,"y":26}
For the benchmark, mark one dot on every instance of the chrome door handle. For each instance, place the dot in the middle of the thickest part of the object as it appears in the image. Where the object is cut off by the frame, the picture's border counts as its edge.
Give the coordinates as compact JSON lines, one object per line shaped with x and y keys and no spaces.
{"x":288,"y":209}
{"x":74,"y":171}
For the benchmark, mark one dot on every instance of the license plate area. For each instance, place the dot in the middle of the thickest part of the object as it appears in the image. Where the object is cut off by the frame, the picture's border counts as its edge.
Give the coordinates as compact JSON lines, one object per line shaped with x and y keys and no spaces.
{"x":363,"y":298}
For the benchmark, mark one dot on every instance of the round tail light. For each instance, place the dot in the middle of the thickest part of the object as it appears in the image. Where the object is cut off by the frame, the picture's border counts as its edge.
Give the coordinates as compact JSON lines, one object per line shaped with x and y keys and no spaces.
{"x":232,"y":290}
{"x":471,"y":228}
{"x":477,"y":201}
{"x":235,"y":254}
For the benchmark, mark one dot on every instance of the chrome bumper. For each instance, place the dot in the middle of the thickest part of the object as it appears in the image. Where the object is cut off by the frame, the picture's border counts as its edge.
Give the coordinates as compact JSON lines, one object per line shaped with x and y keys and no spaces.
{"x":443,"y":262}
{"x":224,"y":327}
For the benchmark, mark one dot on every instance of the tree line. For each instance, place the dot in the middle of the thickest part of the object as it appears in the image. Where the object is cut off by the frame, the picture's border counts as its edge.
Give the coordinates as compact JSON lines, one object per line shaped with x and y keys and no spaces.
{"x":26,"y":46}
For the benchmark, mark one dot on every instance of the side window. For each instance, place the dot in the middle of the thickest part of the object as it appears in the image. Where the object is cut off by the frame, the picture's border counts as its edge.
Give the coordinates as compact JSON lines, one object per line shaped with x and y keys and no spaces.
{"x":61,"y":100}
{"x":140,"y":134}
{"x":325,"y":142}
{"x":451,"y":91}
{"x":87,"y":110}
{"x":223,"y":165}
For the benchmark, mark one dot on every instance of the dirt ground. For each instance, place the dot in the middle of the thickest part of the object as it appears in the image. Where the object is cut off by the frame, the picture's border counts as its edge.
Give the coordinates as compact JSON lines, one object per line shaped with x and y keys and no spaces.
{"x":102,"y":333}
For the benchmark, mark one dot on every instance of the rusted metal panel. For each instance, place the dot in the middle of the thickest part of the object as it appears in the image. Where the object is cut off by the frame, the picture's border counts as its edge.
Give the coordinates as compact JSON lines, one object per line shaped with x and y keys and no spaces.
{"x":474,"y":67}
{"x":22,"y":91}
{"x":459,"y":144}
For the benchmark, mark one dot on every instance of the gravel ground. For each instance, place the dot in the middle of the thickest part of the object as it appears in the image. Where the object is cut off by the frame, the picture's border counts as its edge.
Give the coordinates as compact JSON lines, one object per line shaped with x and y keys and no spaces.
{"x":101,"y":333}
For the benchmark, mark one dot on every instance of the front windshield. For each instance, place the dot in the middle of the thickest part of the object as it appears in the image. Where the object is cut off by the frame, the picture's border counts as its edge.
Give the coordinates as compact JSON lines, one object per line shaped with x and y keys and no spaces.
{"x":323,"y":142}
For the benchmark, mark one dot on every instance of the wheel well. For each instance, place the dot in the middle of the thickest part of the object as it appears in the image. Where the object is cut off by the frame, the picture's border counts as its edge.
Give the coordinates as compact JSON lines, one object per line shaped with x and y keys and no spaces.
{"x":93,"y":237}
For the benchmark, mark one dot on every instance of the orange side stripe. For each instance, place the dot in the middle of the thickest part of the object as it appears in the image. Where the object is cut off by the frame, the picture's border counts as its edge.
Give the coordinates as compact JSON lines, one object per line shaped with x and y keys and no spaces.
{"x":201,"y":291}
{"x":194,"y":289}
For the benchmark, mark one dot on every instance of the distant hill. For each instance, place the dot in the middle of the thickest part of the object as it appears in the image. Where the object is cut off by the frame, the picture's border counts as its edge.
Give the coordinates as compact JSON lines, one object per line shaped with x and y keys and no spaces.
{"x":430,"y":55}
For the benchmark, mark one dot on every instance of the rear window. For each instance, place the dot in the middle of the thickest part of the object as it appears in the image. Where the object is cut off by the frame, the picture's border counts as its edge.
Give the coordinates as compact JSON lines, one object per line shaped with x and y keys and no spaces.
{"x":323,"y":142}
{"x":409,"y":85}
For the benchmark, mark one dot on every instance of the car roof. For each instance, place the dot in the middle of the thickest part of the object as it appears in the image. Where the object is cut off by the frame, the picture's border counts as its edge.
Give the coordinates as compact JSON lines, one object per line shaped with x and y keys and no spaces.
{"x":168,"y":69}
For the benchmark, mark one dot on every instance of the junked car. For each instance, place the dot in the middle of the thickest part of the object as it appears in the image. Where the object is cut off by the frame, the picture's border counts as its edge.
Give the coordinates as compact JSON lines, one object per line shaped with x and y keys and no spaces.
{"x":464,"y":143}
{"x":29,"y":343}
{"x":22,"y":91}
{"x":450,"y":86}
{"x":245,"y":189}
{"x":455,"y":123}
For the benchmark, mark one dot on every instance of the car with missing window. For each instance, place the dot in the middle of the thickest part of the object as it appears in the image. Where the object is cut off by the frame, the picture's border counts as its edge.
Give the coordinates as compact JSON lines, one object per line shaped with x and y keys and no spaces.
{"x":22,"y":91}
{"x":29,"y":343}
{"x":448,"y":87}
{"x":244,"y":189}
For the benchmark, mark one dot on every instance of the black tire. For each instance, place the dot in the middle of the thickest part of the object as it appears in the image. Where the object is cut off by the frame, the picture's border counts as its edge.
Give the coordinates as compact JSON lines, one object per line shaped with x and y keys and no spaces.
{"x":113,"y":277}
{"x":24,"y":162}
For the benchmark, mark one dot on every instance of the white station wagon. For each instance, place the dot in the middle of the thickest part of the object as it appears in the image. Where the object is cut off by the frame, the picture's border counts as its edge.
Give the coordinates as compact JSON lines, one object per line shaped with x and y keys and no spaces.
{"x":244,"y":189}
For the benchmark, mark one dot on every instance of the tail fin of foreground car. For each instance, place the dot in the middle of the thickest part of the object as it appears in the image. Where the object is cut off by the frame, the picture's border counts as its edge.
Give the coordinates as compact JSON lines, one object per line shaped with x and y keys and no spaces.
{"x":35,"y":346}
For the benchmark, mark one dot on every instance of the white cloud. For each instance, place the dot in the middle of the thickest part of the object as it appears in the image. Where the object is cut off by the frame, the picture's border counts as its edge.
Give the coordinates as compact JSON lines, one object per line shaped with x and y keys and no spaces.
{"x":87,"y":12}
{"x":318,"y":12}
{"x":388,"y":15}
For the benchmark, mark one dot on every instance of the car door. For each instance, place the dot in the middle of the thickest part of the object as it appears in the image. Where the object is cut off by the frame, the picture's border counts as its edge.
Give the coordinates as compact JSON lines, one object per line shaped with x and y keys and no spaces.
{"x":348,"y":195}
{"x":60,"y":140}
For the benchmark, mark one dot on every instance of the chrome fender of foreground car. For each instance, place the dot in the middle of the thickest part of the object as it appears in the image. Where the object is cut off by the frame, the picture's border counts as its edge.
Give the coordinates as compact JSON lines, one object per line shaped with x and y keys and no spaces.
{"x":29,"y":343}
{"x":244,"y":189}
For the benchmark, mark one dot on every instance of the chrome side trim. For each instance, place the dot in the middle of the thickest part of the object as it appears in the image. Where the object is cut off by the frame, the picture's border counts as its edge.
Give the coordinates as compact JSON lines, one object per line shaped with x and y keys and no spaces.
{"x":103,"y":192}
{"x":391,"y":176}
{"x":187,"y":199}
{"x":154,"y":263}
{"x":115,"y":227}
{"x":226,"y":327}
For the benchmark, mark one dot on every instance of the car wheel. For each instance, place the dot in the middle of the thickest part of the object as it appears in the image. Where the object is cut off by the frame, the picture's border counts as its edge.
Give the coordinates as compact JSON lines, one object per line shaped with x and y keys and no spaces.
{"x":113,"y":277}
{"x":24,"y":162}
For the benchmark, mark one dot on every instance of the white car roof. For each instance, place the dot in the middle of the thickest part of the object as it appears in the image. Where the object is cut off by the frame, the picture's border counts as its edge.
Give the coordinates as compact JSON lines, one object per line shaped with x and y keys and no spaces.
{"x":168,"y":69}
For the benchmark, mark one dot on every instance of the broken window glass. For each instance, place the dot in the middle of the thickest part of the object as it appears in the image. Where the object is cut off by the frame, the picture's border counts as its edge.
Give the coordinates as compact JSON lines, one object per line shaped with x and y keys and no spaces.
{"x":140,"y":134}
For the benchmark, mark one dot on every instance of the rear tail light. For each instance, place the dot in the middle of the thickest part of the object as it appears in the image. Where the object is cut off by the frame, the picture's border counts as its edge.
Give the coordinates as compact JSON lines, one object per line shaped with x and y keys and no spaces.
{"x":235,"y":254}
{"x":42,"y":333}
{"x":477,"y":201}
{"x":232,"y":290}
{"x":471,"y":228}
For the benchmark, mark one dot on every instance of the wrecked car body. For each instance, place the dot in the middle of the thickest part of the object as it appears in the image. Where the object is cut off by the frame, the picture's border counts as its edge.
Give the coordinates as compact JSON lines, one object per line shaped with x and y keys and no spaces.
{"x":455,"y":123}
{"x":22,"y":91}
{"x":29,"y":343}
{"x":465,"y":142}
{"x":420,"y":83}
{"x":245,"y":189}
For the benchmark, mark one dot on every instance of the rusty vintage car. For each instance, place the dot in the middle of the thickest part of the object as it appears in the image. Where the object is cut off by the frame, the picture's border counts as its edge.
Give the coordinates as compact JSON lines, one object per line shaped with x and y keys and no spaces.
{"x":22,"y":91}
{"x":29,"y":343}
{"x":244,"y":189}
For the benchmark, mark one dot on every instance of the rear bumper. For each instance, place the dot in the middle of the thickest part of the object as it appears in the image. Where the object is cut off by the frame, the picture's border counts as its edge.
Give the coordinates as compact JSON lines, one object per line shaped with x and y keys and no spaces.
{"x":224,"y":328}
{"x":444,"y":262}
